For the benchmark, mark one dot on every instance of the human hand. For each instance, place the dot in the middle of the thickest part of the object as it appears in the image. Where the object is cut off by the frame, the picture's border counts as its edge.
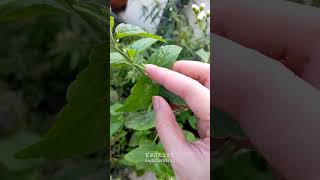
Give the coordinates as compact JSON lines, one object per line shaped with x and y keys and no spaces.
{"x":191,"y":81}
{"x":266,"y":75}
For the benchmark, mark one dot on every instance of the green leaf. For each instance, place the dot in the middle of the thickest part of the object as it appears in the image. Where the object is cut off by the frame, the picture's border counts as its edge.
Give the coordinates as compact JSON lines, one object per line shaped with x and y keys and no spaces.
{"x":115,"y":124}
{"x":137,"y":158}
{"x":139,"y":137}
{"x":80,"y":126}
{"x":163,"y":171}
{"x":111,"y":23}
{"x":11,"y":145}
{"x":125,"y":30}
{"x":141,"y":121}
{"x":189,"y":136}
{"x":182,"y":117}
{"x":113,"y":109}
{"x":141,"y":95}
{"x":204,"y":55}
{"x":142,"y":44}
{"x":187,"y":116}
{"x":170,"y":97}
{"x":139,"y":154}
{"x":193,"y":122}
{"x":116,"y":118}
{"x":117,"y":58}
{"x":165,"y":56}
{"x":131,"y":53}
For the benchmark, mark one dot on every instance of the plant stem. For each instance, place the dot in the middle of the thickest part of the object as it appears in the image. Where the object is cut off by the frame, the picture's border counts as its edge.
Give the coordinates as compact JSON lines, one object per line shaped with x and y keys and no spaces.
{"x":155,"y":139}
{"x":206,"y":40}
{"x":130,"y":61}
{"x":203,"y":32}
{"x":112,"y":39}
{"x":139,"y":66}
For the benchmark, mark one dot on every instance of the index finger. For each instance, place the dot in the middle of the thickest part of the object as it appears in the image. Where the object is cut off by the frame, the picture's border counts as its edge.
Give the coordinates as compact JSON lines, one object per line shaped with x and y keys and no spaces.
{"x":196,"y":70}
{"x":278,"y":29}
{"x":195,"y":94}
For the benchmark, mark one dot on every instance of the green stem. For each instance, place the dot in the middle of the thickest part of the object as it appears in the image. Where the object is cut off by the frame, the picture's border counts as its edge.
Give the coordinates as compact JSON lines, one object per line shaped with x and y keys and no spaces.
{"x":113,"y":43}
{"x":207,"y":42}
{"x":150,"y":106}
{"x":139,"y":68}
{"x":155,"y":139}
{"x":204,"y":35}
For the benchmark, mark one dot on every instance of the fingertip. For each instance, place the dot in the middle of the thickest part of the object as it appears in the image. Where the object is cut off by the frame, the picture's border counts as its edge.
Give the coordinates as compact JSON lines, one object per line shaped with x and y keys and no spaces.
{"x":148,"y":68}
{"x":159,"y":103}
{"x":156,"y":103}
{"x":156,"y":73}
{"x":152,"y":71}
{"x":177,"y":65}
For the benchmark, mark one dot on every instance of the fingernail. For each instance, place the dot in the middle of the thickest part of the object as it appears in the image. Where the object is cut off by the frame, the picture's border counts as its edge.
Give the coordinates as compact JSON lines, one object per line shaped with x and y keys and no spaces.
{"x":156,"y":103}
{"x":149,"y":67}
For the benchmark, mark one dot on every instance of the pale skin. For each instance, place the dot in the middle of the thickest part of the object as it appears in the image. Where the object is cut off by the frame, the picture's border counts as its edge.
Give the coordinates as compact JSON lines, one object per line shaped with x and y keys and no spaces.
{"x":191,"y":81}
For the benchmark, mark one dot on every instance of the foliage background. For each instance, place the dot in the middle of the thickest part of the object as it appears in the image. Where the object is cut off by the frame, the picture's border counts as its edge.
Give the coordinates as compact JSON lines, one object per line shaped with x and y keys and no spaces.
{"x":129,"y":144}
{"x":39,"y":57}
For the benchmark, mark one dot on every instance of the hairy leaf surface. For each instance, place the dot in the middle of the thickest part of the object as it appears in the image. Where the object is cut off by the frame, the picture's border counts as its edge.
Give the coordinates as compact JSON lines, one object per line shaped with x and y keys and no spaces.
{"x":141,"y":121}
{"x":125,"y":30}
{"x":204,"y":55}
{"x":165,"y":56}
{"x":141,"y":95}
{"x":142,"y":44}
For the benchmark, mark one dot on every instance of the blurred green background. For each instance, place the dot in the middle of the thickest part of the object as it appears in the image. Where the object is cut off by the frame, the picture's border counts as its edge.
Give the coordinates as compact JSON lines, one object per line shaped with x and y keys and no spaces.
{"x":39,"y":58}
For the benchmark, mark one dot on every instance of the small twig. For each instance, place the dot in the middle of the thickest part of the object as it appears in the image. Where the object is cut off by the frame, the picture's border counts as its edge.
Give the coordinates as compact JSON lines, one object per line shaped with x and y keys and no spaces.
{"x":155,"y":139}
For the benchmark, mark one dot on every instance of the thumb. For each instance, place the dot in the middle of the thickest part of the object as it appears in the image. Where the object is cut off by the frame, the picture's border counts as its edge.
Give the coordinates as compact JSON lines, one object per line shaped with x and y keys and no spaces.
{"x":169,"y":131}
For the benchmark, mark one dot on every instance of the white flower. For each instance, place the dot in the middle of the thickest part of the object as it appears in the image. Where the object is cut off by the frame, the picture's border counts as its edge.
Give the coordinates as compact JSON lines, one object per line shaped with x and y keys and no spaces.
{"x":208,"y":13}
{"x":202,"y":6}
{"x":201,"y":16}
{"x":195,"y":8}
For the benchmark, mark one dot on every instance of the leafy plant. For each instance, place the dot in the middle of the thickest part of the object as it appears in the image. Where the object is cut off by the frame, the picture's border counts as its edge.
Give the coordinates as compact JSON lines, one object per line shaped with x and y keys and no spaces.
{"x":201,"y":21}
{"x":133,"y":135}
{"x":176,"y":28}
{"x":82,"y":125}
{"x":85,"y":111}
{"x":141,"y":94}
{"x":132,"y":122}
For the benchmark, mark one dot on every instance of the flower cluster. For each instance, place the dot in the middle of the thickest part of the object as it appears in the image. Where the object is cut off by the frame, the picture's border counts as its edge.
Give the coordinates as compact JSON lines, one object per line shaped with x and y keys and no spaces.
{"x":202,"y":20}
{"x":199,"y":11}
